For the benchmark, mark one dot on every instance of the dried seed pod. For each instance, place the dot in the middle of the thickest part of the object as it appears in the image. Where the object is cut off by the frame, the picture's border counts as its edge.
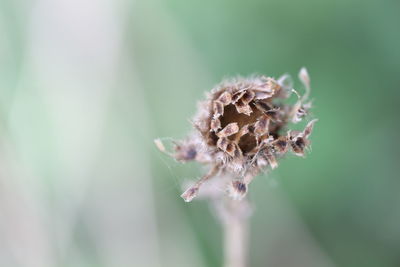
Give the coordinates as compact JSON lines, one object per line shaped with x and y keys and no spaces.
{"x":242,"y":129}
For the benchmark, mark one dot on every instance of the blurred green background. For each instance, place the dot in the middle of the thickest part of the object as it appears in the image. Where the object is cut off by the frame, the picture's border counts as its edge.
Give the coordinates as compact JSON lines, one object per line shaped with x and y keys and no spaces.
{"x":85,"y":87}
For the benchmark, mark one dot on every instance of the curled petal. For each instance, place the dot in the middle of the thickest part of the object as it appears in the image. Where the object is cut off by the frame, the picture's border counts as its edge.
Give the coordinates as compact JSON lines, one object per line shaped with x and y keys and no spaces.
{"x":263,"y":95}
{"x":225,"y":98}
{"x":218,"y":108}
{"x":244,"y":130}
{"x":248,"y":96}
{"x":271,"y":160}
{"x":243,"y":108}
{"x":185,"y":152}
{"x":309,"y":127}
{"x":238,"y":96}
{"x":190,"y":193}
{"x":222,"y":143}
{"x":280,"y":145}
{"x":159,"y":145}
{"x":227,"y":146}
{"x":298,"y":145}
{"x":231,"y":149}
{"x":261,"y":126}
{"x":229,"y":130}
{"x":273,"y":85}
{"x":215,"y":124}
{"x":263,"y":106}
{"x":286,"y":83}
{"x":304,"y":77}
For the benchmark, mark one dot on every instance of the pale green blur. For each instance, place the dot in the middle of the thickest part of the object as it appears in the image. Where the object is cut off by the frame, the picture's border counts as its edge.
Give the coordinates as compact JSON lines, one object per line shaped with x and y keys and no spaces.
{"x":85,"y":87}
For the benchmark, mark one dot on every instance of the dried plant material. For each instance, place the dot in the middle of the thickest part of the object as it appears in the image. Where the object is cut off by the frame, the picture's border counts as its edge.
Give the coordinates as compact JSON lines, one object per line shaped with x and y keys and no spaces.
{"x":191,"y":192}
{"x":225,"y":98}
{"x":261,"y":126}
{"x":243,"y":107}
{"x":229,"y":129}
{"x":304,"y":77}
{"x":242,"y":130}
{"x":280,"y":145}
{"x":248,"y":96}
{"x":159,"y":145}
{"x":215,"y":125}
{"x":186,"y":151}
{"x":271,"y":160}
{"x":218,"y":109}
{"x":237,"y":190}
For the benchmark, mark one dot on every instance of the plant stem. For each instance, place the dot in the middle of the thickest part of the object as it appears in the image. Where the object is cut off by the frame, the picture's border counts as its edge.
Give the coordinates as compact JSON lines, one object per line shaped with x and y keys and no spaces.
{"x":234,"y":215}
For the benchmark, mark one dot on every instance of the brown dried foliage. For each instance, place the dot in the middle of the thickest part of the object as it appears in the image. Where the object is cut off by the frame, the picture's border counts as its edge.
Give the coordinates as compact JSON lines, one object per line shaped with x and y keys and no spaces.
{"x":241,"y":129}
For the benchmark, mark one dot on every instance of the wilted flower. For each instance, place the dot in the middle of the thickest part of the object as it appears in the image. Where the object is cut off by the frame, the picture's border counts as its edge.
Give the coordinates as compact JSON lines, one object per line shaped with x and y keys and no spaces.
{"x":241,"y":129}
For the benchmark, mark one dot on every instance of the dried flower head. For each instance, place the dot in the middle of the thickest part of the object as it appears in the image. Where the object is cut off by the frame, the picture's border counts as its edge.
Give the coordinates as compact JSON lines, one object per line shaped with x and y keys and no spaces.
{"x":241,"y":130}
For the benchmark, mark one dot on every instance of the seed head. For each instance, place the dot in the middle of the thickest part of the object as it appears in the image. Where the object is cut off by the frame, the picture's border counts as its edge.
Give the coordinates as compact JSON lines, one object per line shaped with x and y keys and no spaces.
{"x":241,"y":129}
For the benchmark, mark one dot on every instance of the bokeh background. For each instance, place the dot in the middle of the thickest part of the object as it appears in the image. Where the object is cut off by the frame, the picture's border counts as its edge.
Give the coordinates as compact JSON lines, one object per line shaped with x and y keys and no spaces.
{"x":85,"y":87}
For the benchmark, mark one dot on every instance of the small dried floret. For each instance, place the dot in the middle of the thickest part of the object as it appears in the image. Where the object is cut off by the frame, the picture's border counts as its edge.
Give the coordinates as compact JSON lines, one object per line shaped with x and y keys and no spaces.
{"x":229,"y":129}
{"x":242,"y":128}
{"x":237,"y":190}
{"x":225,"y":98}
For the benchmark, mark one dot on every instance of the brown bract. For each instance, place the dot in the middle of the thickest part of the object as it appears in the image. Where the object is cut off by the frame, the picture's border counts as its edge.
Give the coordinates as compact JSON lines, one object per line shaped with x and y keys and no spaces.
{"x":242,"y":128}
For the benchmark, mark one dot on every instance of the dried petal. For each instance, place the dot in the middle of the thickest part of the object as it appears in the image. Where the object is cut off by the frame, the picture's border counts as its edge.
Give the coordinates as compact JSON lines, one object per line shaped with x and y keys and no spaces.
{"x":271,"y":160}
{"x":229,"y":130}
{"x":248,"y":97}
{"x":238,"y":96}
{"x":286,"y":83}
{"x":266,"y":108}
{"x":237,"y":190}
{"x":159,"y":145}
{"x":218,"y":108}
{"x":280,"y":145}
{"x":225,"y":98}
{"x":185,"y":152}
{"x":190,"y":194}
{"x":304,"y":77}
{"x":230,"y":149}
{"x":243,"y":108}
{"x":294,"y":114}
{"x":307,"y":131}
{"x":262,"y":162}
{"x":261,"y":126}
{"x":298,"y":145}
{"x":263,"y":106}
{"x":238,"y":152}
{"x":263,"y":95}
{"x":222,"y":143}
{"x":244,"y":130}
{"x":273,"y":85}
{"x":215,"y":124}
